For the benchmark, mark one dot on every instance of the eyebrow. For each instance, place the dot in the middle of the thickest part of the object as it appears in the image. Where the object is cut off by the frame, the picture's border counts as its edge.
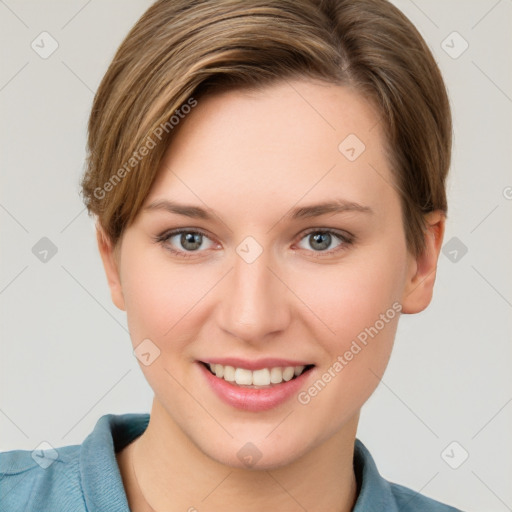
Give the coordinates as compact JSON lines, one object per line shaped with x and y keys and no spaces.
{"x":302,"y":212}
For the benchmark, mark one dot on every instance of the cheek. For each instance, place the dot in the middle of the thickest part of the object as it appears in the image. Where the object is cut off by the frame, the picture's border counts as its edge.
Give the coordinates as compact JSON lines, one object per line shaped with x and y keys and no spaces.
{"x":163,"y":298}
{"x":360,"y":303}
{"x":350,"y":296}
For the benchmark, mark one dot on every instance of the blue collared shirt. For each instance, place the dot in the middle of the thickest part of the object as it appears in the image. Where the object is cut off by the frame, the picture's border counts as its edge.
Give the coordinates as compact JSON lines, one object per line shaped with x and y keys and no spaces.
{"x":86,"y":477}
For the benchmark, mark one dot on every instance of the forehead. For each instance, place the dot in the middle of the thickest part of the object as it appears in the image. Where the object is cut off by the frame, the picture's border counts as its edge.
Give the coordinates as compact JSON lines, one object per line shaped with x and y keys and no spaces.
{"x":289,"y":140}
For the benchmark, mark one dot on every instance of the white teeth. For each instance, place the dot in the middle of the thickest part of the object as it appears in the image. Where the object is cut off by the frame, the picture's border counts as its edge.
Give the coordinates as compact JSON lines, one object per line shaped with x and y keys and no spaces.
{"x":276,"y":375}
{"x":262,"y":377}
{"x":219,"y":370}
{"x":243,"y":377}
{"x":229,"y":373}
{"x":298,"y":370}
{"x":288,"y":373}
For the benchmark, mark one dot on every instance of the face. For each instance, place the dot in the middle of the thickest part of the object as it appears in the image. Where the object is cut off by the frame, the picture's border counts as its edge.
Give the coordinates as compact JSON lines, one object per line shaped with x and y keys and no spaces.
{"x":237,"y":262}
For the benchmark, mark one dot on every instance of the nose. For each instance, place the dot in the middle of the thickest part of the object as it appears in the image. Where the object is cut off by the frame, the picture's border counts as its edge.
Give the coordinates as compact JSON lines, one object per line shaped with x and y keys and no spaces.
{"x":255,"y":305}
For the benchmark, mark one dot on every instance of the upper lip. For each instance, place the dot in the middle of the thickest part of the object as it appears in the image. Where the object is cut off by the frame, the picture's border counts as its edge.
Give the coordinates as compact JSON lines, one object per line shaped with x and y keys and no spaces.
{"x":255,"y":364}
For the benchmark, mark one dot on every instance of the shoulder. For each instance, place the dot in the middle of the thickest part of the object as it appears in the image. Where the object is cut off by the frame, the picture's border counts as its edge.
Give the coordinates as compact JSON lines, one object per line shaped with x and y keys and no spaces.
{"x":408,"y":500}
{"x":80,"y":478}
{"x":41,"y":479}
{"x":377,"y":493}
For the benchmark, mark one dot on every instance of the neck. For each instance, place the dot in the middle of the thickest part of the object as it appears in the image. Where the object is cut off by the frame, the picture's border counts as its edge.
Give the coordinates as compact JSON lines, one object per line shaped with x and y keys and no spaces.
{"x":170,"y":473}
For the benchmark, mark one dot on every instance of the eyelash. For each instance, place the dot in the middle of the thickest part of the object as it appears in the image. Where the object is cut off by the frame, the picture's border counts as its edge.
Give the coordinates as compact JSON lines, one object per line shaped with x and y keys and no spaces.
{"x":346,"y":239}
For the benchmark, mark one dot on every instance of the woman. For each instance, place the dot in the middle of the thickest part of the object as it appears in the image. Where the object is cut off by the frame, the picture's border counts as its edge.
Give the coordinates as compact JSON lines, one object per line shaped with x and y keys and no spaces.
{"x":268,"y":182}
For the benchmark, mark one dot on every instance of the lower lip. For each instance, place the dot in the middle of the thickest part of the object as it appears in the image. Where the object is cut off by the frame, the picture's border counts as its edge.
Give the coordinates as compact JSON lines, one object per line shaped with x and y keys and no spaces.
{"x":252,"y":399}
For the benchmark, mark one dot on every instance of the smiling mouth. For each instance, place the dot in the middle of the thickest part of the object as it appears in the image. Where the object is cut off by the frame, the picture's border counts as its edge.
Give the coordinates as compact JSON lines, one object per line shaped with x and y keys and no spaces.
{"x":262,"y":378}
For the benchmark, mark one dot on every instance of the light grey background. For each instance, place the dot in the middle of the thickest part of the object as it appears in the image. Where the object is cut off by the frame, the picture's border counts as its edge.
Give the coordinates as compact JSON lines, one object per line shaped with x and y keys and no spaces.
{"x":66,"y":357}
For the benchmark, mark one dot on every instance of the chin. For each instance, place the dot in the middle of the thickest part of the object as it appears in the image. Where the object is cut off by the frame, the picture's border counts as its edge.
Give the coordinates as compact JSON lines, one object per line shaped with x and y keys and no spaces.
{"x":260,"y":454}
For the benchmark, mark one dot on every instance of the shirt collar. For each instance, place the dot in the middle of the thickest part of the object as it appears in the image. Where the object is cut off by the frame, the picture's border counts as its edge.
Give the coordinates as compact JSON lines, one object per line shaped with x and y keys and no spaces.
{"x":101,"y":479}
{"x":375,"y":492}
{"x":102,"y":483}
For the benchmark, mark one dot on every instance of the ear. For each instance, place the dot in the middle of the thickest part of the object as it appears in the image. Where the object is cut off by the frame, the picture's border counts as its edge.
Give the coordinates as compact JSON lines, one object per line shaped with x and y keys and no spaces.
{"x":110,"y":259}
{"x":421,"y":272}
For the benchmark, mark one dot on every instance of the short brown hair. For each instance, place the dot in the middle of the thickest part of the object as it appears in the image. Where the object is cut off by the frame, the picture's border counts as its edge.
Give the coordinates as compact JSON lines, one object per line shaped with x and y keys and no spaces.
{"x":180,"y":50}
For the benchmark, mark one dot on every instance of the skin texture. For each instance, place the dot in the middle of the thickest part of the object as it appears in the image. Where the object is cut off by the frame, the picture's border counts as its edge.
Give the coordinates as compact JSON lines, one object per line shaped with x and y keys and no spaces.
{"x":251,"y":157}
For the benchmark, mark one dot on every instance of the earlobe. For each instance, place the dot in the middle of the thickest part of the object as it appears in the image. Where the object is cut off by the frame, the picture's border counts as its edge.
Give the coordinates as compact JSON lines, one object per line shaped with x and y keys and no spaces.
{"x":422,"y":269}
{"x":111,"y":266}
